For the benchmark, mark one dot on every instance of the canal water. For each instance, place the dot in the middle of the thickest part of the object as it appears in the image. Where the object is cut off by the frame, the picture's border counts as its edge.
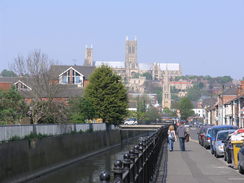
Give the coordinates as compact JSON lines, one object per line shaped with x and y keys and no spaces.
{"x":88,"y":170}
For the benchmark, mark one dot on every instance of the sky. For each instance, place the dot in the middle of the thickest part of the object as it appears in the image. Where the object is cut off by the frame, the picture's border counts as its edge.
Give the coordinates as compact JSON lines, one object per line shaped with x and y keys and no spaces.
{"x":205,"y":36}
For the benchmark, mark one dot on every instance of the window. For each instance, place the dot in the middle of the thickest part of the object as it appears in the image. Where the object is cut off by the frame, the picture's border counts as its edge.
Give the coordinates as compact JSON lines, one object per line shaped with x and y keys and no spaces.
{"x":71,"y":77}
{"x":64,"y":79}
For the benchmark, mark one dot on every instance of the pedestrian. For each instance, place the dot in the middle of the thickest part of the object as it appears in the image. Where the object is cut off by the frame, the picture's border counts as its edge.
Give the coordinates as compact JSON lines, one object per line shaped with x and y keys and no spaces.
{"x":181,"y":132}
{"x":171,"y":137}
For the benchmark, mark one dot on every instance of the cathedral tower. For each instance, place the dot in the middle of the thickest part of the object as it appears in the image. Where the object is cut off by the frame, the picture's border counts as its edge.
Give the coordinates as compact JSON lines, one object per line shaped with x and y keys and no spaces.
{"x":166,"y":98}
{"x":88,"y":56}
{"x":131,"y":64}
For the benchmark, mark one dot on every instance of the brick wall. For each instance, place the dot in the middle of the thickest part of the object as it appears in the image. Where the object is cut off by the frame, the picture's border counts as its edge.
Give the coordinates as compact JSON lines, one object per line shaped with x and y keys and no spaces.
{"x":5,"y":86}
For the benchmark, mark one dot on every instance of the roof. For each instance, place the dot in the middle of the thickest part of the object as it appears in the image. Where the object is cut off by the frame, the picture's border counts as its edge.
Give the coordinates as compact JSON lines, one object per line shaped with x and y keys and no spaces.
{"x":169,"y":66}
{"x":9,"y":79}
{"x":230,"y":91}
{"x":85,"y":70}
{"x":145,"y":66}
{"x":180,"y":82}
{"x":12,"y":80}
{"x":209,"y":101}
{"x":65,"y":91}
{"x":224,"y":131}
{"x":112,"y":64}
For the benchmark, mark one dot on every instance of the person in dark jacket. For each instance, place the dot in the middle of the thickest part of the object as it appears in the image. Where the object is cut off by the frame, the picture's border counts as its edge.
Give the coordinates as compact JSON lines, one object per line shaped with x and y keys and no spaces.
{"x":181,"y":132}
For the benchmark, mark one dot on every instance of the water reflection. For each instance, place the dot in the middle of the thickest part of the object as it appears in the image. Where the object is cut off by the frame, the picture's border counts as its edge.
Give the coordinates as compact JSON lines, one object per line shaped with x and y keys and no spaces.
{"x":87,"y":171}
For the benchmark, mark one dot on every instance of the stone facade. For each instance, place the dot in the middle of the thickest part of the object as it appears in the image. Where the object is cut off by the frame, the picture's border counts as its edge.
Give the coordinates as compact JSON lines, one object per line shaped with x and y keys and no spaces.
{"x":130,"y":69}
{"x":166,"y":98}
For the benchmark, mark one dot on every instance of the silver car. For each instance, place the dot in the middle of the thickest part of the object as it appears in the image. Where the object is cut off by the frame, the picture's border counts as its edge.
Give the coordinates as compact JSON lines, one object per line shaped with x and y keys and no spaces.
{"x":219,"y":143}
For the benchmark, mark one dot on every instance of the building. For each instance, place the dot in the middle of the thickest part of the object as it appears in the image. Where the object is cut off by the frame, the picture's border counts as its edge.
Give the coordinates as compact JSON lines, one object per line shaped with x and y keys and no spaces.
{"x":131,"y":69}
{"x":166,"y":94}
{"x":229,"y":107}
{"x":181,"y":85}
{"x":64,"y":82}
{"x":88,"y":56}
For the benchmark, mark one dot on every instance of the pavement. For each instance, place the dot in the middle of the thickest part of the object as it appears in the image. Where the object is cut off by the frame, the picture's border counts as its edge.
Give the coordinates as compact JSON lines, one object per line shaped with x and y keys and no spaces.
{"x":197,"y":165}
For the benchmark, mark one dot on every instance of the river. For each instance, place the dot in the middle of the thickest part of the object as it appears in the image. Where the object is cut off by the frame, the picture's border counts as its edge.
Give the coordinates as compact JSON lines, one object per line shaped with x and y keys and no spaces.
{"x":88,"y":170}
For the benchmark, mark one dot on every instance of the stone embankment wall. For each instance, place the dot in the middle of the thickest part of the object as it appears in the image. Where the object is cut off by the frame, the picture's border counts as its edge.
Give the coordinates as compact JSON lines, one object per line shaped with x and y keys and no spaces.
{"x":20,"y":160}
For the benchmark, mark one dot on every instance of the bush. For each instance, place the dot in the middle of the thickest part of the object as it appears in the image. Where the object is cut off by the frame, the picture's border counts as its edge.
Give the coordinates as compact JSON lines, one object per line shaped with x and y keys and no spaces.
{"x":14,"y":138}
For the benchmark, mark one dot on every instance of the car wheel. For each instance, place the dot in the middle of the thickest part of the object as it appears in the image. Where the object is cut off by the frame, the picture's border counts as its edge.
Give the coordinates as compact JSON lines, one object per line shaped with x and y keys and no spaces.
{"x":216,"y":155}
{"x":241,"y":170}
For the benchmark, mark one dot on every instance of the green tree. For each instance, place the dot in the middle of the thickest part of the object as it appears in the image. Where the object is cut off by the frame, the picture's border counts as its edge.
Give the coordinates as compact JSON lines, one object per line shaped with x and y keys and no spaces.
{"x":108,"y":95}
{"x":81,"y":109}
{"x":7,"y":73}
{"x":243,"y":78}
{"x":12,"y":106}
{"x":147,"y":75}
{"x":185,"y":106}
{"x":152,"y":115}
{"x":141,"y":108}
{"x":224,"y":79}
{"x":169,"y":112}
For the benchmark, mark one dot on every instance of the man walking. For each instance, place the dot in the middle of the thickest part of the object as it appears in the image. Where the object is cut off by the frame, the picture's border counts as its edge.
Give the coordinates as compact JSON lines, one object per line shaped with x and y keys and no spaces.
{"x":181,"y":131}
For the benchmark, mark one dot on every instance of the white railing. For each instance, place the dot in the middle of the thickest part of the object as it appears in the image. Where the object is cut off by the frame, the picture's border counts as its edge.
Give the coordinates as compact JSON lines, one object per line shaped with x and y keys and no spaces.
{"x":9,"y":131}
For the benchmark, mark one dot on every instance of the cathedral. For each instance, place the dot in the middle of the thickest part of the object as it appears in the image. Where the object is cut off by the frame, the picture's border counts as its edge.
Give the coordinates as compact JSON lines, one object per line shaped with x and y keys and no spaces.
{"x":131,"y":68}
{"x":132,"y":71}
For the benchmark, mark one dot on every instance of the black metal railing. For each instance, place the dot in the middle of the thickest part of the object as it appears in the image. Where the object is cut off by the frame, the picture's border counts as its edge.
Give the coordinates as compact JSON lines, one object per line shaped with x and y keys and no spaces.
{"x":140,"y":163}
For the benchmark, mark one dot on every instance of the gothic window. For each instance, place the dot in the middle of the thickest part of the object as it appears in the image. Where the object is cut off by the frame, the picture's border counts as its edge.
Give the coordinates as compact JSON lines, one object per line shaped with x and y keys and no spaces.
{"x":129,"y":49}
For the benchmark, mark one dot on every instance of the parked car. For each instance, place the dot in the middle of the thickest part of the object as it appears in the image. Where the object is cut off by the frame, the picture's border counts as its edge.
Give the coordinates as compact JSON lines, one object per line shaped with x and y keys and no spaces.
{"x":207,"y":137}
{"x":131,"y":121}
{"x":214,"y":131}
{"x":228,"y":149}
{"x":201,"y":134}
{"x":241,"y":160}
{"x":219,"y":142}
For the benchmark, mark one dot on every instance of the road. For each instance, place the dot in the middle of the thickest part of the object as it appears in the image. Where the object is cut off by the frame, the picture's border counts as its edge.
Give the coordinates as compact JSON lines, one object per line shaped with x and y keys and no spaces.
{"x":197,"y":165}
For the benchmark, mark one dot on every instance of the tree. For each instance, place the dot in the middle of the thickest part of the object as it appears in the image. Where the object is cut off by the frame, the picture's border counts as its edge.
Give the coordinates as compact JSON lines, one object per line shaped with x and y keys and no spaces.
{"x":7,"y":73}
{"x":12,"y":106}
{"x":141,"y":108}
{"x":81,"y":109}
{"x":108,"y":95}
{"x":194,"y":93}
{"x":169,"y":112}
{"x":185,"y":106}
{"x":147,"y":75}
{"x":152,"y":115}
{"x":36,"y":71}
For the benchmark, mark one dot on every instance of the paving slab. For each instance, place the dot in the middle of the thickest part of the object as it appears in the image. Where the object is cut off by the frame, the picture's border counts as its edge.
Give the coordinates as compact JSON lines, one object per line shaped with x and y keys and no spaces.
{"x":197,"y":165}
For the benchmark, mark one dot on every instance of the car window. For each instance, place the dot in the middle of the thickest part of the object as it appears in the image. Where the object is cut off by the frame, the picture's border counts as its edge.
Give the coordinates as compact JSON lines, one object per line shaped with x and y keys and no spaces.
{"x":222,"y":136}
{"x":215,"y":130}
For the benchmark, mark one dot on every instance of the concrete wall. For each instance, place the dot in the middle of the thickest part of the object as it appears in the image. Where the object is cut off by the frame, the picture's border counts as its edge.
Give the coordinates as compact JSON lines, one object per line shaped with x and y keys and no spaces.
{"x":9,"y":131}
{"x":22,"y":158}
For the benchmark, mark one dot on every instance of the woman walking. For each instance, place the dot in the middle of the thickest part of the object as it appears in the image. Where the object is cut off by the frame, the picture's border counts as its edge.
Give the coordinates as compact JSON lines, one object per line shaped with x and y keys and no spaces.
{"x":171,"y":137}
